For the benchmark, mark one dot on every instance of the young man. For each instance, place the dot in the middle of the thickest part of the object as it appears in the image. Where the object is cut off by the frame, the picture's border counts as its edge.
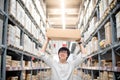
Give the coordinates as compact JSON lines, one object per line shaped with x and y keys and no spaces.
{"x":61,"y":70}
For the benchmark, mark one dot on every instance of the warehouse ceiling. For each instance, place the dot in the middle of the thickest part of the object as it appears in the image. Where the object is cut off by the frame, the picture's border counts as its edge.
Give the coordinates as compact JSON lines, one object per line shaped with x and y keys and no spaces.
{"x":70,"y":12}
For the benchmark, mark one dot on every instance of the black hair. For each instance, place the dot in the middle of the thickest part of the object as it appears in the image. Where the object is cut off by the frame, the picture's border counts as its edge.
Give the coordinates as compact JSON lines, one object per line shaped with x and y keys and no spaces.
{"x":64,"y":49}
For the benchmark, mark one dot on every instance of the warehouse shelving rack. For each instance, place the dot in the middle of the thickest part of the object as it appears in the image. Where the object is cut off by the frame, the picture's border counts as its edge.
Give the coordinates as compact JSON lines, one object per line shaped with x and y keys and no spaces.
{"x":108,"y":52}
{"x":17,"y":53}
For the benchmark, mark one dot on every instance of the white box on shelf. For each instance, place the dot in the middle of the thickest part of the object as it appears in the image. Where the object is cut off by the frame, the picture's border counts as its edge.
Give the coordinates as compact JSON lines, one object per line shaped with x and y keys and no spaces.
{"x":17,"y":32}
{"x":33,"y":29}
{"x":1,"y":4}
{"x":117,"y":19}
{"x":28,"y":23}
{"x":1,"y":30}
{"x":101,"y":7}
{"x":13,"y":8}
{"x":20,"y":16}
{"x":11,"y":35}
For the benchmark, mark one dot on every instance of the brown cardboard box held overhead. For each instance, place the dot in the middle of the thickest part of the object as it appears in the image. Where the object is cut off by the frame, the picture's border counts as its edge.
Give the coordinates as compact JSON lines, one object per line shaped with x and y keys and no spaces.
{"x":63,"y":34}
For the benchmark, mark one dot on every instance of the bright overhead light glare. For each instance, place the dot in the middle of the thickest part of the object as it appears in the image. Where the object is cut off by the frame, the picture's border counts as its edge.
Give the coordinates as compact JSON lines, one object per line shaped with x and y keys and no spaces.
{"x":63,"y":13}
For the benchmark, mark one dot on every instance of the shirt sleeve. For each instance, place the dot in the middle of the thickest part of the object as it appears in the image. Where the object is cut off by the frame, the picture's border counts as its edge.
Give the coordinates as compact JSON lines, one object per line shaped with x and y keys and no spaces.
{"x":46,"y":58}
{"x":78,"y":60}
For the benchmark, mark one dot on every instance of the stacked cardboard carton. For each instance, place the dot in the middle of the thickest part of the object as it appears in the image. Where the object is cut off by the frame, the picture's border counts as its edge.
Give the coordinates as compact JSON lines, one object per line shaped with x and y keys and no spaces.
{"x":24,"y":74}
{"x":106,"y":75}
{"x":15,"y":63}
{"x":92,"y":46}
{"x":8,"y":61}
{"x":17,"y":38}
{"x":14,"y":36}
{"x":108,"y":33}
{"x":106,"y":63}
{"x":28,"y":64}
{"x":28,"y":76}
{"x":12,"y":78}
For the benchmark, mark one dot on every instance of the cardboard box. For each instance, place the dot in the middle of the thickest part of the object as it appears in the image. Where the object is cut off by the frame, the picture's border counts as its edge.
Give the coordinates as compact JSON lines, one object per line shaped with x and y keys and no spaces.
{"x":63,"y":34}
{"x":12,"y":78}
{"x":108,"y":34}
{"x":8,"y":61}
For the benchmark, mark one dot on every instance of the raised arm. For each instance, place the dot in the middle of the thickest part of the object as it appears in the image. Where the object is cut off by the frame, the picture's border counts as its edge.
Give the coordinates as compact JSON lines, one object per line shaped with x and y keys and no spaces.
{"x":79,"y":59}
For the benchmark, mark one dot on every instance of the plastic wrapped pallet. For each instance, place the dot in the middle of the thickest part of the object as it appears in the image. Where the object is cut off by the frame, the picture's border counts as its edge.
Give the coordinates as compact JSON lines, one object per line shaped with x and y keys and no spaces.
{"x":1,"y":29}
{"x":118,"y":24}
{"x":108,"y":33}
{"x":13,"y":8}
